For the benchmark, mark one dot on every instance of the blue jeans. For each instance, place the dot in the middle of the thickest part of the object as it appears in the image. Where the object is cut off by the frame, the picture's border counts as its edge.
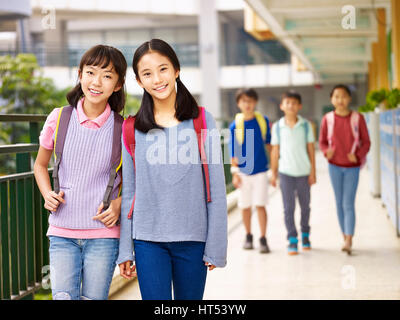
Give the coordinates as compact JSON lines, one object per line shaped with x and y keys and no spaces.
{"x":161,"y":264}
{"x":82,"y":268}
{"x":345,"y":182}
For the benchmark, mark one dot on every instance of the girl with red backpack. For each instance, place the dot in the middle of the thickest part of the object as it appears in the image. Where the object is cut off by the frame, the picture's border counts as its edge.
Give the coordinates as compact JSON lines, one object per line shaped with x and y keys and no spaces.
{"x":174,"y":210}
{"x":85,"y":138}
{"x":345,"y":142}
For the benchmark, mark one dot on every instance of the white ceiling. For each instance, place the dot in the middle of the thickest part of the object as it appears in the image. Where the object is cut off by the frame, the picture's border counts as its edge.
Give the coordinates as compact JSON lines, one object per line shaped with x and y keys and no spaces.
{"x":312,"y":30}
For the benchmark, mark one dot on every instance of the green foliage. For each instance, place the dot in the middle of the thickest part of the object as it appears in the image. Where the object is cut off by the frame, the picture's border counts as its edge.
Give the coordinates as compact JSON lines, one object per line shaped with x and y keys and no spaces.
{"x":132,"y":106}
{"x":24,"y":88}
{"x":377,"y":96}
{"x":391,"y":99}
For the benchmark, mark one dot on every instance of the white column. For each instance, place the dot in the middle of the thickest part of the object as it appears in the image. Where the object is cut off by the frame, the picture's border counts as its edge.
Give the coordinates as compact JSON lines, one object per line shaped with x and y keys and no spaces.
{"x":56,"y":42}
{"x":209,"y":56}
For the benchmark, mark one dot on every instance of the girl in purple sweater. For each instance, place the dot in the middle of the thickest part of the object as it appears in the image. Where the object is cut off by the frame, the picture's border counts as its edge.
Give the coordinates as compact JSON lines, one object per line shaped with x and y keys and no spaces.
{"x":84,"y":238}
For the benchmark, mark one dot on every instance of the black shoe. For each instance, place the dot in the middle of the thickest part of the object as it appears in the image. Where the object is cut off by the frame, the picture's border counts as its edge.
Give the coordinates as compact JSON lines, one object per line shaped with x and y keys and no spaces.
{"x":306,"y":241}
{"x":263,"y":245}
{"x":248,"y":245}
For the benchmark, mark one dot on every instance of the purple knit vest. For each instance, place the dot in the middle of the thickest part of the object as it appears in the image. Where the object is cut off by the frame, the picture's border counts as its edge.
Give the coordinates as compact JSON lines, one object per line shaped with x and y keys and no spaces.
{"x":84,"y":172}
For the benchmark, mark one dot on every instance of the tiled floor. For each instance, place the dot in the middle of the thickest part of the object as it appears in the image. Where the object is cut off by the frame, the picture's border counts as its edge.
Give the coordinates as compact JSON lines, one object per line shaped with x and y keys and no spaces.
{"x":325,"y":272}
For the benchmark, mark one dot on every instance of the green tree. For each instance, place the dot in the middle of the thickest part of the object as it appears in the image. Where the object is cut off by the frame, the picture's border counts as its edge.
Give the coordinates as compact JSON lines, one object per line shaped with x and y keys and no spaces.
{"x":23,"y":89}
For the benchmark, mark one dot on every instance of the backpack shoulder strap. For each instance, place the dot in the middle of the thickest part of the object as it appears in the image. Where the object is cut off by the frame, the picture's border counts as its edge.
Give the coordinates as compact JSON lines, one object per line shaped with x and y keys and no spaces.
{"x":330,"y":121}
{"x":262,"y":123}
{"x":116,"y":158}
{"x":239,"y":128}
{"x":128,"y":135}
{"x":354,"y":122}
{"x":200,"y":126}
{"x":59,"y":139}
{"x":306,"y":124}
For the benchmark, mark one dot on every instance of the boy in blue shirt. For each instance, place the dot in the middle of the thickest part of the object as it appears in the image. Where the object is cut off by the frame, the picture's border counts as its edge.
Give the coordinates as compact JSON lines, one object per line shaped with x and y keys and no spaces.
{"x":250,"y":134}
{"x":294,"y":153}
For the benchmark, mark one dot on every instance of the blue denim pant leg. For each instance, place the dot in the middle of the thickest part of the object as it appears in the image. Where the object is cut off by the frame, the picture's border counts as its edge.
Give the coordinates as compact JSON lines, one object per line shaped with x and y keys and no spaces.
{"x":161,"y":265}
{"x":82,"y":268}
{"x":99,"y":257}
{"x":65,"y":268}
{"x":345,"y":182}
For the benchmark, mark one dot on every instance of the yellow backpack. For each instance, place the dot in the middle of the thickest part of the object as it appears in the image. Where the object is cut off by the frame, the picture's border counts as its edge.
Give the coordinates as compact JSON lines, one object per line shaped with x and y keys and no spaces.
{"x":239,"y":123}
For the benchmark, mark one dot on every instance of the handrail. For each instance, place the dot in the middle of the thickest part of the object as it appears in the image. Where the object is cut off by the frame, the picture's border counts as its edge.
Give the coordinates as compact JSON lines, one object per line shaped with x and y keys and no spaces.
{"x":19,"y":148}
{"x":23,"y":219}
{"x":22,"y":117}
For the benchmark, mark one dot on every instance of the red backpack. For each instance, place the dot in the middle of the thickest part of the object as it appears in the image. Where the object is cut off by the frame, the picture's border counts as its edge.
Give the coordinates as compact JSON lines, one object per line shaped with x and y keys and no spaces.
{"x":200,"y":126}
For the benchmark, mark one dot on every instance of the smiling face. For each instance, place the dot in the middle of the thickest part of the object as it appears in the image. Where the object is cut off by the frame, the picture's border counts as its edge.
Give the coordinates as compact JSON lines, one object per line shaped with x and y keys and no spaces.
{"x":98,"y":84}
{"x":157,"y":76}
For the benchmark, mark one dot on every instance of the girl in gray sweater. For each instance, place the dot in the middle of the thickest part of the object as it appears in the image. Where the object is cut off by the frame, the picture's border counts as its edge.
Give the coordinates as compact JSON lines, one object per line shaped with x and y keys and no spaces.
{"x":175,"y":231}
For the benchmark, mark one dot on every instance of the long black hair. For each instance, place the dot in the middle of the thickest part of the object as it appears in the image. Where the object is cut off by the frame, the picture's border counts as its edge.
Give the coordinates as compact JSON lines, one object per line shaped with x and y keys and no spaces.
{"x":102,"y":55}
{"x":185,"y":105}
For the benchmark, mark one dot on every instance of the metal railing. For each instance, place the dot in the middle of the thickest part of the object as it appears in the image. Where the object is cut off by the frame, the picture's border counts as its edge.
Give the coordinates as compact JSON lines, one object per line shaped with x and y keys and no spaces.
{"x":230,"y":54}
{"x":23,"y":219}
{"x":24,"y":245}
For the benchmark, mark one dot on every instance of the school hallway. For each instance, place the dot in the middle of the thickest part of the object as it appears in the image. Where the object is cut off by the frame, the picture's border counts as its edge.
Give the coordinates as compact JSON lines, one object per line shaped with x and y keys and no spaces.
{"x":325,"y":272}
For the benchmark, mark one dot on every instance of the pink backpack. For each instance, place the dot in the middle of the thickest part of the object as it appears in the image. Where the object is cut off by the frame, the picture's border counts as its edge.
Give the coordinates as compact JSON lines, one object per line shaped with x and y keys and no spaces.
{"x":354,"y":122}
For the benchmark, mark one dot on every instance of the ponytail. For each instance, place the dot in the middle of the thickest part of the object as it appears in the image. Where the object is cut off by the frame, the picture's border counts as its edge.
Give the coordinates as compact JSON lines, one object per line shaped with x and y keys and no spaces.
{"x":74,"y":95}
{"x":145,"y":116}
{"x":186,"y":106}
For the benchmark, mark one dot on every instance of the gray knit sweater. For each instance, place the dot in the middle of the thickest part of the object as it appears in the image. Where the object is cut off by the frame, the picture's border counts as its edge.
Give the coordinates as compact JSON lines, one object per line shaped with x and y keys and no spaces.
{"x":170,"y":203}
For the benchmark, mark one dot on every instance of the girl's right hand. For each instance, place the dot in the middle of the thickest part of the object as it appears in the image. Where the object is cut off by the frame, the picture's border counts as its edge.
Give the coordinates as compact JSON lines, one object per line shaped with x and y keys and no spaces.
{"x":52,"y":200}
{"x":329,"y":153}
{"x":127,"y":270}
{"x":236,"y":181}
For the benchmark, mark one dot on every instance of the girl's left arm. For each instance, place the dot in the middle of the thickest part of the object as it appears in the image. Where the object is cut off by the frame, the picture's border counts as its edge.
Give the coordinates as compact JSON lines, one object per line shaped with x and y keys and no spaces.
{"x":364,"y":137}
{"x":217,"y":223}
{"x":128,"y":191}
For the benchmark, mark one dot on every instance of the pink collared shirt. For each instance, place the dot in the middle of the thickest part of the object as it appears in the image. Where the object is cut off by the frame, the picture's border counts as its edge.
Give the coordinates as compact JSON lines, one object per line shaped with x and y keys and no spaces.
{"x":47,"y":141}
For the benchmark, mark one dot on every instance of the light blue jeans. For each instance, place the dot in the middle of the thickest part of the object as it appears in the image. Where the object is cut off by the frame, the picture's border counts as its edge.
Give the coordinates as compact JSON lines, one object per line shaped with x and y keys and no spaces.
{"x":345,"y":182}
{"x":82,"y":269}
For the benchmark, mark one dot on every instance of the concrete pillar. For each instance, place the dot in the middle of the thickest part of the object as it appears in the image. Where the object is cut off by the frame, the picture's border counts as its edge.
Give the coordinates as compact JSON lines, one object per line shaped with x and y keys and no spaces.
{"x":56,"y":42}
{"x":383,"y":79}
{"x":374,"y":84}
{"x":209,"y":56}
{"x":24,"y":41}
